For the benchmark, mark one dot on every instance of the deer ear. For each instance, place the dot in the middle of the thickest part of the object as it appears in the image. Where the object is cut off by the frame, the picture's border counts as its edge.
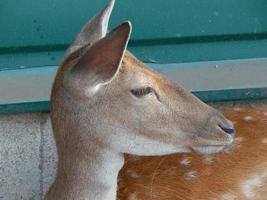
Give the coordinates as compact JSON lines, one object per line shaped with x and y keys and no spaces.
{"x":93,"y":31}
{"x":100,"y":64}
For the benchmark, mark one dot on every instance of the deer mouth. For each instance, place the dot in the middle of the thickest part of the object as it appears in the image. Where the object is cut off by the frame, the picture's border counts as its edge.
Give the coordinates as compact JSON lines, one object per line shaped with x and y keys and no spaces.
{"x":211,"y":149}
{"x":215,"y":147}
{"x":207,"y":149}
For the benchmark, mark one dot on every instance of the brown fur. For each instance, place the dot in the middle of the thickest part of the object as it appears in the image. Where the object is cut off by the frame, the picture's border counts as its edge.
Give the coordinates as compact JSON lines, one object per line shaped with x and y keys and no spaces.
{"x":216,"y":176}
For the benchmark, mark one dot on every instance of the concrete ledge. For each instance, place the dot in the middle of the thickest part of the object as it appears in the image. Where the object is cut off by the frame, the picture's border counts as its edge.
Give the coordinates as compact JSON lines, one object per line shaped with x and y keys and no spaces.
{"x":28,"y":89}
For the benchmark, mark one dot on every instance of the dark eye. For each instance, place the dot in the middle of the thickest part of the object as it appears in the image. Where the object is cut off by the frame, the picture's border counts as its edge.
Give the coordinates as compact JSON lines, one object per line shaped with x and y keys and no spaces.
{"x":141,"y":92}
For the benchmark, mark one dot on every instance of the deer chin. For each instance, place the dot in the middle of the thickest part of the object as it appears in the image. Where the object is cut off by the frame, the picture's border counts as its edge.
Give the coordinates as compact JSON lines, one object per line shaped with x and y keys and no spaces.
{"x":208,"y":149}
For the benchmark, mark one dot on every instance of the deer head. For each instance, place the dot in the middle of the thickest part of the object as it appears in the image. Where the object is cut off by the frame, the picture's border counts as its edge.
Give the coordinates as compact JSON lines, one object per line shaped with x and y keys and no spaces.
{"x":102,"y":93}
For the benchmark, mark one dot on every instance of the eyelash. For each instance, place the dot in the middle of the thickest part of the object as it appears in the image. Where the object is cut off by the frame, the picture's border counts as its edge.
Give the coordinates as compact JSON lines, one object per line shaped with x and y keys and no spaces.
{"x":141,"y":92}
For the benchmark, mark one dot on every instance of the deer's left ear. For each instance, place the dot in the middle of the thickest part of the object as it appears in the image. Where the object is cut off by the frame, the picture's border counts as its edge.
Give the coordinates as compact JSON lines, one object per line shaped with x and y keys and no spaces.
{"x":92,"y":31}
{"x":101,"y":63}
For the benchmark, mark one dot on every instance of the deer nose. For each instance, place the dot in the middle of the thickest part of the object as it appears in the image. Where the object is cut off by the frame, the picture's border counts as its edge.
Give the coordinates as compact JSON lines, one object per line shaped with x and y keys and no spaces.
{"x":226,"y":125}
{"x":228,"y":129}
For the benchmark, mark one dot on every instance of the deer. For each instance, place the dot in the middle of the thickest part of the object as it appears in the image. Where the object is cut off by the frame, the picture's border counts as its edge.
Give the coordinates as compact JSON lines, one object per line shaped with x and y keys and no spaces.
{"x":106,"y":103}
{"x":236,"y":173}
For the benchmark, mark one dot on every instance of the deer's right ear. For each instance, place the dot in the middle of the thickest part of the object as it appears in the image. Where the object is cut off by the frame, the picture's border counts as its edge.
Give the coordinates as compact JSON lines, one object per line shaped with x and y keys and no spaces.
{"x":92,"y":31}
{"x":100,"y":64}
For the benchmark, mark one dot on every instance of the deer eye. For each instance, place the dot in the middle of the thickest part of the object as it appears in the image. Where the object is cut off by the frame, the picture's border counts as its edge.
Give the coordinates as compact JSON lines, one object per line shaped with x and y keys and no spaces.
{"x":141,"y":92}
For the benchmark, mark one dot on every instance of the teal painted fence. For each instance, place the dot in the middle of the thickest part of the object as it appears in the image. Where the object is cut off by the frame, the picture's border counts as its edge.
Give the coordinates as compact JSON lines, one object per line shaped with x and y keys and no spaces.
{"x":28,"y":90}
{"x":36,"y":33}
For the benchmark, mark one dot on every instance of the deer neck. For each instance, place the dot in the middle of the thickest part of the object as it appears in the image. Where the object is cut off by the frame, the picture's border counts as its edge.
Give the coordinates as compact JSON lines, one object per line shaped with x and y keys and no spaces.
{"x":87,"y":173}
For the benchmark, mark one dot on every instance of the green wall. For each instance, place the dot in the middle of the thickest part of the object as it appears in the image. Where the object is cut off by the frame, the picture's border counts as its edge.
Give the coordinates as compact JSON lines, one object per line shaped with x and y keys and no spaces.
{"x":36,"y":32}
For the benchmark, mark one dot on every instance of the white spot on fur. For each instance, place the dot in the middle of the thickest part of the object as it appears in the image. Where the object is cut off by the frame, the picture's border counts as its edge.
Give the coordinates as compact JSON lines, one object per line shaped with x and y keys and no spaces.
{"x":239,"y":139}
{"x":237,"y":109}
{"x":208,"y":159}
{"x":264,"y":140}
{"x":248,"y":118}
{"x":249,"y":186}
{"x":265,"y":114}
{"x":228,"y":196}
{"x":132,"y":196}
{"x":132,"y":173}
{"x":190,"y":175}
{"x":185,"y":161}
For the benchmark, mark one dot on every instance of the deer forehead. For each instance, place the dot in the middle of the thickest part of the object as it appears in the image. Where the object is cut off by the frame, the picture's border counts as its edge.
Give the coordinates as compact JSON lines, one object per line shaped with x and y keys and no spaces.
{"x":136,"y":74}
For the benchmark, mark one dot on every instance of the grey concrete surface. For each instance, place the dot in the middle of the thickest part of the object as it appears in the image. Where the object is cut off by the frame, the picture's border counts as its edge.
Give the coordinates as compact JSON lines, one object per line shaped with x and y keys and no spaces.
{"x":28,"y":155}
